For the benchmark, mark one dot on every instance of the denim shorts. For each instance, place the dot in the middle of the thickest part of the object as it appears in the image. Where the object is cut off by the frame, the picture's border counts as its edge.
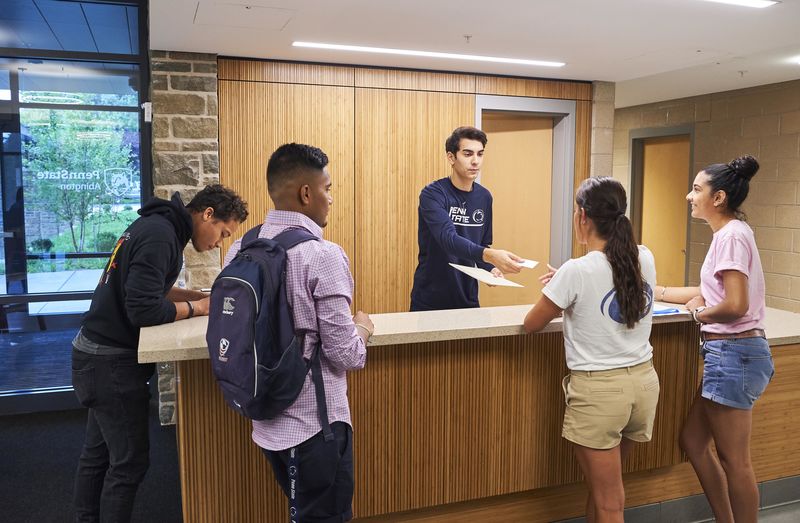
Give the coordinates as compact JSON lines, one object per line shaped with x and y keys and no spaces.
{"x":736,"y":371}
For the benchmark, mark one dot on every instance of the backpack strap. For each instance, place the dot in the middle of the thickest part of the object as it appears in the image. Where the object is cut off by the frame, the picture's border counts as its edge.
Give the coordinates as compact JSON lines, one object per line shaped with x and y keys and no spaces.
{"x":319,"y":392}
{"x":250,"y":236}
{"x":291,"y":237}
{"x":288,"y":239}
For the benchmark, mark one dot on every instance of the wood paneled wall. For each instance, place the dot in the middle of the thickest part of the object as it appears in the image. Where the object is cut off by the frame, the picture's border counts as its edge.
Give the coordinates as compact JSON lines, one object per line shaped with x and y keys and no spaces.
{"x":434,"y":424}
{"x":257,"y":117}
{"x":384,"y":132}
{"x":775,"y":455}
{"x":583,"y":154}
{"x":399,"y":150}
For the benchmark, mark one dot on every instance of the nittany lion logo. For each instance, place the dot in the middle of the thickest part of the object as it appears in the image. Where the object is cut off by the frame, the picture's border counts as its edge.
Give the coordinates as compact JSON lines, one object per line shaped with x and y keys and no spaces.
{"x":228,"y":306}
{"x":223,"y":348}
{"x":477,"y":216}
{"x":118,"y":181}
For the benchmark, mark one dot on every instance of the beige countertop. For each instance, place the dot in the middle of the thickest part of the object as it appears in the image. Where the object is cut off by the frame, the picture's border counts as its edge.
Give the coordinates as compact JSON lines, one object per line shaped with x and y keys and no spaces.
{"x":185,"y":339}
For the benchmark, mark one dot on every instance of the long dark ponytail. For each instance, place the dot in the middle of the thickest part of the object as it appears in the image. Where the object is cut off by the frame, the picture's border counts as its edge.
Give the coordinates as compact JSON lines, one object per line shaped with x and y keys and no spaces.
{"x":603,"y":198}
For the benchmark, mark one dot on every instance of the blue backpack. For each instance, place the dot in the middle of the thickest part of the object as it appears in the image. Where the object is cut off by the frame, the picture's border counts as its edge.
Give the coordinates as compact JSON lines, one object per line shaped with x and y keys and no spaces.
{"x":255,"y":356}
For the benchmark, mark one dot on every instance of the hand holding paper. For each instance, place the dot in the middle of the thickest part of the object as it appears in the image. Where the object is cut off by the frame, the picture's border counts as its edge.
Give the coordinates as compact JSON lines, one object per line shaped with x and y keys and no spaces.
{"x":507,"y":262}
{"x":485,"y":276}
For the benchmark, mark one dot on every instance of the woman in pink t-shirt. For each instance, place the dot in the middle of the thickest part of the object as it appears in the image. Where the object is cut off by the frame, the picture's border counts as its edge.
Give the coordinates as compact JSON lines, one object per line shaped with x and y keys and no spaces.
{"x":729,"y":306}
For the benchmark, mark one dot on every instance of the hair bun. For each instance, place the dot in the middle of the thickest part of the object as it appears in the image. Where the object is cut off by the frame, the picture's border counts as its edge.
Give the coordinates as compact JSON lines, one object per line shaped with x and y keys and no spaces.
{"x":745,"y":166}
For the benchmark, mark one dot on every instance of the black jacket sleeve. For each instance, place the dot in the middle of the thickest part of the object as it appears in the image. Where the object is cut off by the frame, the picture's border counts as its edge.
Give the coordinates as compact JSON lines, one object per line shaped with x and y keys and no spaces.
{"x":145,"y":296}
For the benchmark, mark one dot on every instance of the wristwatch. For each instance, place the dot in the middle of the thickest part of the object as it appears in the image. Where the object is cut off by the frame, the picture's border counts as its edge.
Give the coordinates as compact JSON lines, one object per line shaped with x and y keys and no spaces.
{"x":695,"y":313}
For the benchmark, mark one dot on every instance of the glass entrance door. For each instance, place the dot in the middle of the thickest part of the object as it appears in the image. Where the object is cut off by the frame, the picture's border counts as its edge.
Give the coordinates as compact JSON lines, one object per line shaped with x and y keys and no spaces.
{"x":71,"y":183}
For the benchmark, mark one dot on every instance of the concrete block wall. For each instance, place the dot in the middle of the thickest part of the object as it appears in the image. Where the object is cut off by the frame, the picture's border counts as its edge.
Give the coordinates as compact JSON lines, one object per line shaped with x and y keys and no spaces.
{"x":602,"y":129}
{"x":763,"y":121}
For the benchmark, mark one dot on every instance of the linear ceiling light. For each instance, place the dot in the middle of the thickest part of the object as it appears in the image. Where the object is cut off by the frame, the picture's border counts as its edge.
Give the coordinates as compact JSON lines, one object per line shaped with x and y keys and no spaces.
{"x":429,"y":54}
{"x":746,"y":3}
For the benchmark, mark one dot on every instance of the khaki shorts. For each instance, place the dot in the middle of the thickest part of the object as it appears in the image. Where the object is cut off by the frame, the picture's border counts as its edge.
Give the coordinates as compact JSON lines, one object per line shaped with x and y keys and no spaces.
{"x":605,"y":406}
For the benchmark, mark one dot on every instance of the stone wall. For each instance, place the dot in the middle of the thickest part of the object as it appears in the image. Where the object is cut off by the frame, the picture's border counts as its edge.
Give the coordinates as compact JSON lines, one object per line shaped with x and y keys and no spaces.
{"x":602,"y":129}
{"x":186,"y":159}
{"x":763,"y":121}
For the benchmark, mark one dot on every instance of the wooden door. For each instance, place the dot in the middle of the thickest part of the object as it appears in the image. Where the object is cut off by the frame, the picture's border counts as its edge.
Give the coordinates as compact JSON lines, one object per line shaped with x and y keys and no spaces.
{"x":664,"y":211}
{"x":517,"y":170}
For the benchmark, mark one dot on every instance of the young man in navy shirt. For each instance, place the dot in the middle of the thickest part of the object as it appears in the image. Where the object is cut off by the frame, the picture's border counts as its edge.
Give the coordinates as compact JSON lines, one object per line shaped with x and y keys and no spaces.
{"x":455,"y":226}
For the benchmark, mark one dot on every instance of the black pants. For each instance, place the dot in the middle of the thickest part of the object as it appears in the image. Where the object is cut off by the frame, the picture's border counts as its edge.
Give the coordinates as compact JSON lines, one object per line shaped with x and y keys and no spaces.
{"x":324,"y":477}
{"x":115,"y":454}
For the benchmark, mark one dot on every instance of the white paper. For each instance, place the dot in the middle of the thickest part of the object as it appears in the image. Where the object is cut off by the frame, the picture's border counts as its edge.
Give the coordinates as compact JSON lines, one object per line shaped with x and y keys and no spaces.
{"x":485,"y":276}
{"x":528,"y":264}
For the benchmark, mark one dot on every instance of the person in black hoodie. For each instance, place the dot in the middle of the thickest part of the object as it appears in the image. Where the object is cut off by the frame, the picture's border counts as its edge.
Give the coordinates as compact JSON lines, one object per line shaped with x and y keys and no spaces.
{"x":136,"y":290}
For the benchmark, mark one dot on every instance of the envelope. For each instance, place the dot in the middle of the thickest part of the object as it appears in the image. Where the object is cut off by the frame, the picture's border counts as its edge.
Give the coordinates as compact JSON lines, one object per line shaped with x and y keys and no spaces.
{"x":485,"y":276}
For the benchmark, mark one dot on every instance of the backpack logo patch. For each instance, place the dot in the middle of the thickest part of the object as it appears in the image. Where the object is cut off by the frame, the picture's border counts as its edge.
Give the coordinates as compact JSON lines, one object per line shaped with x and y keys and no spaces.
{"x":228,"y":306}
{"x":223,"y":349}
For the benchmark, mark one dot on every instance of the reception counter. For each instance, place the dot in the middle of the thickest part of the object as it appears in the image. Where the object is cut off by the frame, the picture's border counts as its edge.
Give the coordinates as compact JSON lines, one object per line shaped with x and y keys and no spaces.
{"x":457,"y":416}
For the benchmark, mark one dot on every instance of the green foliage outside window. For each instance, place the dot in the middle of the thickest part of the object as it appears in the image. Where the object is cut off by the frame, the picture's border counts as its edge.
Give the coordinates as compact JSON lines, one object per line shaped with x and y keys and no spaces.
{"x":108,"y":229}
{"x":77,"y":166}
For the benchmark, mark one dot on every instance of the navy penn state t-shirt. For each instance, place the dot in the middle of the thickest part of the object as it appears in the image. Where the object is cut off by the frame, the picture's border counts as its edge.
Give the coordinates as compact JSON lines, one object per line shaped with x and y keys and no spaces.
{"x":454,"y":227}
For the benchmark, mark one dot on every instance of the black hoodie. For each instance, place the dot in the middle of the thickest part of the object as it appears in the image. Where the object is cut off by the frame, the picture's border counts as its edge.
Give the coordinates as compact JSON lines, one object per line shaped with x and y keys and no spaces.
{"x":143,"y":267}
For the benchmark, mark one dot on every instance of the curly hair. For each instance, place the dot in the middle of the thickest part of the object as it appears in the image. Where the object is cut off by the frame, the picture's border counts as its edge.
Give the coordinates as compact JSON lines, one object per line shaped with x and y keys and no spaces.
{"x":226,"y":203}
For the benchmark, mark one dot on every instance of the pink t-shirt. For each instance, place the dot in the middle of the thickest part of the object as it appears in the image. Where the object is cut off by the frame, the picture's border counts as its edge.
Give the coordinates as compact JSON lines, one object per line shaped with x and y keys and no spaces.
{"x":734,"y":248}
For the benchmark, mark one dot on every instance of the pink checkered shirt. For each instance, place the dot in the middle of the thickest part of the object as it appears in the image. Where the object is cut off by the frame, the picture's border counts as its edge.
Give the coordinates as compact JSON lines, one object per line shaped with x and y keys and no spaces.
{"x":320,"y":289}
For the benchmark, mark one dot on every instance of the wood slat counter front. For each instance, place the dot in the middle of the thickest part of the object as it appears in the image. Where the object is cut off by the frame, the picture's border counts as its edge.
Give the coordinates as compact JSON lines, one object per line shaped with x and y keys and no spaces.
{"x":458,"y":415}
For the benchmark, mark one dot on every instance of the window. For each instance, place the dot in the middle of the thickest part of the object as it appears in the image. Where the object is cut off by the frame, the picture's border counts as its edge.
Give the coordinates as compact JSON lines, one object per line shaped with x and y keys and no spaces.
{"x":73,"y":170}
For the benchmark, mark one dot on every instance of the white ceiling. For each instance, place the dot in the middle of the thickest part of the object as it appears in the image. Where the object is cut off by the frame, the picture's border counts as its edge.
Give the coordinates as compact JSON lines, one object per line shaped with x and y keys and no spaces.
{"x":653,"y":49}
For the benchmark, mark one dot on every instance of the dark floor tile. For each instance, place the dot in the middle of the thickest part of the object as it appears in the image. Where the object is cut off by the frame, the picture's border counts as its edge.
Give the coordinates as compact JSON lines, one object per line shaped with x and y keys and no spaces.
{"x":778,"y":491}
{"x":684,"y":510}
{"x":643,"y":513}
{"x":782,"y":514}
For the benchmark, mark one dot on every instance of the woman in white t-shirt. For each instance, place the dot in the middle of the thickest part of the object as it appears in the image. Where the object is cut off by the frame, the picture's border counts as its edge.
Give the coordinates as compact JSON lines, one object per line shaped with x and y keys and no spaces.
{"x":730,"y":307}
{"x":606,"y":297}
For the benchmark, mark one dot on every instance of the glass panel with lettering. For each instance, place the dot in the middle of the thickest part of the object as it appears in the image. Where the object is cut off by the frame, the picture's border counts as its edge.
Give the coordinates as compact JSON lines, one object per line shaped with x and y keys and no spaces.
{"x":71,"y":181}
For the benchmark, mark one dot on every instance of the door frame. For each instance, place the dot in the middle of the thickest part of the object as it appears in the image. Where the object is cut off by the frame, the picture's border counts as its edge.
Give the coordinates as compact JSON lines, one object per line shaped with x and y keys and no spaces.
{"x":63,"y":397}
{"x":636,"y":139}
{"x":563,"y":113}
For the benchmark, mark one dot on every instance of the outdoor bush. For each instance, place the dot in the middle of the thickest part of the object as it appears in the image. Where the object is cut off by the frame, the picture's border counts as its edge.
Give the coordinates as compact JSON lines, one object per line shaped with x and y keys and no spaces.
{"x":106,"y":241}
{"x":42,"y":245}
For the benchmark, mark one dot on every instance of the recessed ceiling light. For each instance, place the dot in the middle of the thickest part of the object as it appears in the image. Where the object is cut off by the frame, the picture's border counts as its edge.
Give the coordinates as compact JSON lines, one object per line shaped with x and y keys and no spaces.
{"x":746,"y":3}
{"x":428,"y":54}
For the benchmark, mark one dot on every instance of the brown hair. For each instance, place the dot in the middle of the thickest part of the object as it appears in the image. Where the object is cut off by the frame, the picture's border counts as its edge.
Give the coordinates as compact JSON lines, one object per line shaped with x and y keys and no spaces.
{"x":604,"y":200}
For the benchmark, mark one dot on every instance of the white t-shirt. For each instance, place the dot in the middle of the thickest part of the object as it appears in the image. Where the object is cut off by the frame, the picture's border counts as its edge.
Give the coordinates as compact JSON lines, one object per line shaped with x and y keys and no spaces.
{"x":595,"y":336}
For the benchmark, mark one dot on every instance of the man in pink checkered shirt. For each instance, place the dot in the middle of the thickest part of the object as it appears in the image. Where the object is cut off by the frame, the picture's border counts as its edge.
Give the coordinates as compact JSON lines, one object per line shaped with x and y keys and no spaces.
{"x":320,"y":287}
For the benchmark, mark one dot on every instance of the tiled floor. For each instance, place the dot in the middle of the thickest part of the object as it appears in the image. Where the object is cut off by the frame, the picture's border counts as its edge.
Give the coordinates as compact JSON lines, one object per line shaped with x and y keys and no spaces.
{"x":789,"y":513}
{"x":695,"y":509}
